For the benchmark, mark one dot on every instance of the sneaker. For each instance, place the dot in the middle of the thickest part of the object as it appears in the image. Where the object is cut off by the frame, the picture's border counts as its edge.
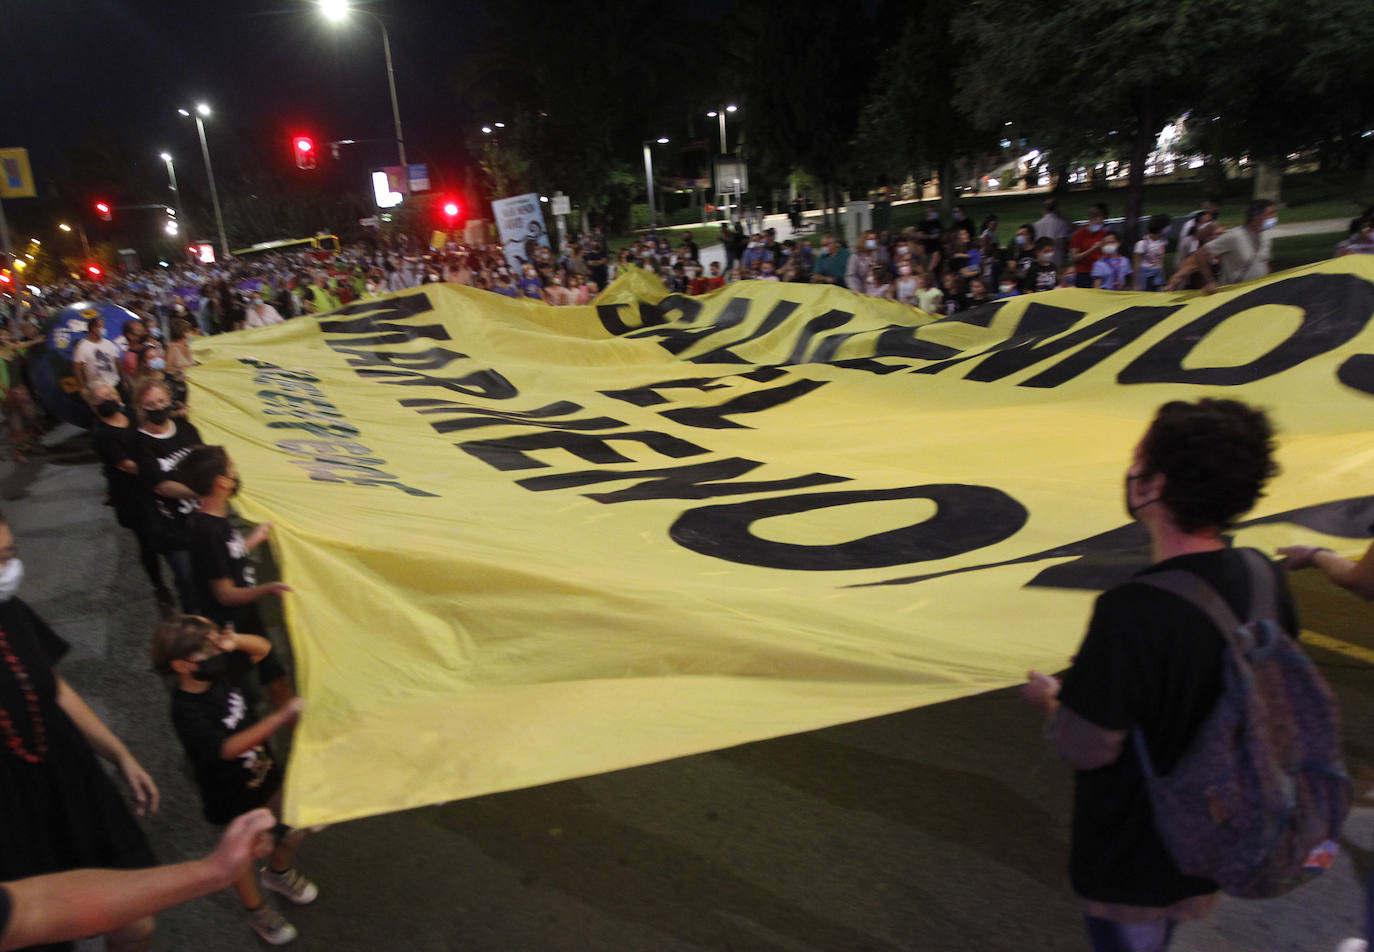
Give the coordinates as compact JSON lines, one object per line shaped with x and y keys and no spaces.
{"x":292,"y":885}
{"x":1352,"y":945}
{"x":271,"y":926}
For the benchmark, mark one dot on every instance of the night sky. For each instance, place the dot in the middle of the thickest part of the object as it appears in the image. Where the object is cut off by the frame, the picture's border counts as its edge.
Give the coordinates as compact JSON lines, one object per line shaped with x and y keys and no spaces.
{"x":269,"y":68}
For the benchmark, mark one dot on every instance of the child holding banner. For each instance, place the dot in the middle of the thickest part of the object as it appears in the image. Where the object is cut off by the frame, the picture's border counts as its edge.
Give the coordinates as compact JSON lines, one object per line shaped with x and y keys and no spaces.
{"x":230,"y":750}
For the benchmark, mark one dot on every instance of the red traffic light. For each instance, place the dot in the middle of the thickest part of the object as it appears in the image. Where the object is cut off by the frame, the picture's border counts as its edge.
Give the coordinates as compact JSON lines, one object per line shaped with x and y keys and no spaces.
{"x":304,"y":148}
{"x":4,"y":279}
{"x":104,"y":210}
{"x":94,"y":270}
{"x":452,"y":209}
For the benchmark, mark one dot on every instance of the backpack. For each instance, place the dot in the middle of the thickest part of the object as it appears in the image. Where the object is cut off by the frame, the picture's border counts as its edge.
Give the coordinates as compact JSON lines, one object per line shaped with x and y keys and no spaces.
{"x":1261,"y":784}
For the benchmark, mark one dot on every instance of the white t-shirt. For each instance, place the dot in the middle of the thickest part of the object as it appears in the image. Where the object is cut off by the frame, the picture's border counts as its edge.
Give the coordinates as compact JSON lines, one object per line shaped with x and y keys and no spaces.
{"x":262,"y":316}
{"x":101,"y":359}
{"x":1151,"y":251}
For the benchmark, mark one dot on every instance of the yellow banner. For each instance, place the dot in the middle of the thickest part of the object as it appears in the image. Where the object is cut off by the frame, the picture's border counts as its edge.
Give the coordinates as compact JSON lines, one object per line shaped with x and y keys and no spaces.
{"x":16,"y":178}
{"x":533,"y":543}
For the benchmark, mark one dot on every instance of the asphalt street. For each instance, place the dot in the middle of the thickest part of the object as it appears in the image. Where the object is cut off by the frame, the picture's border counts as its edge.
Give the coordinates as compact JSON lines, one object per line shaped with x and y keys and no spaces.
{"x":942,"y":828}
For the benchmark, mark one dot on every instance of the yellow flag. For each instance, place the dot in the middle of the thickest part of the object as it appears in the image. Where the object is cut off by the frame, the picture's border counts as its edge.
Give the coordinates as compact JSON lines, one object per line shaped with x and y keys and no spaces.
{"x":532,"y":543}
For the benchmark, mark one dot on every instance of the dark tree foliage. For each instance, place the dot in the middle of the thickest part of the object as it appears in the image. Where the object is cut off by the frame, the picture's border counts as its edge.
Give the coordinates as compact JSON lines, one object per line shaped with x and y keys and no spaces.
{"x":803,"y":68}
{"x":578,"y":96}
{"x":917,"y":119}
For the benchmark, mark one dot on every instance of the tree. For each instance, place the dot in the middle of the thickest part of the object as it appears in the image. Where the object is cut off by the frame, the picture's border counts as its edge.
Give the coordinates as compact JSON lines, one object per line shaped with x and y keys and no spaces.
{"x":804,"y":86}
{"x":1080,"y":72}
{"x":573,"y":120}
{"x":913,"y":119}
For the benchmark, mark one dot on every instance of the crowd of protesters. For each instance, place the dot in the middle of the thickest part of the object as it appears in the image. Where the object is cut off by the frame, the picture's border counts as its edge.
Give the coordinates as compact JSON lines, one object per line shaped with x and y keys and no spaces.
{"x":174,"y":493}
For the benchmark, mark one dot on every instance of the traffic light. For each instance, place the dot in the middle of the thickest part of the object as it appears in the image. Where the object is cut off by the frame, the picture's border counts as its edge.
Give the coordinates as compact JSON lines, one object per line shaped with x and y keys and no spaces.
{"x":452,"y":209}
{"x":304,"y":148}
{"x":94,"y":270}
{"x":104,"y":210}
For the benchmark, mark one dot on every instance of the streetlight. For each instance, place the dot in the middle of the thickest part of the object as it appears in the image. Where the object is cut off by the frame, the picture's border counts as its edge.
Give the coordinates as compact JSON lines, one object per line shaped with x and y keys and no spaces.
{"x":337,"y":11}
{"x":649,"y":180}
{"x":85,"y":245}
{"x":203,"y":110}
{"x":720,"y":114}
{"x":176,"y":193}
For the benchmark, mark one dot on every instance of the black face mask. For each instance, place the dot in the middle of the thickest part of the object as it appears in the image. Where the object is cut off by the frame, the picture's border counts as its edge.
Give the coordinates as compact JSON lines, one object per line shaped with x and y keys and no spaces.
{"x":107,"y":408}
{"x":158,"y":416}
{"x":212,"y":669}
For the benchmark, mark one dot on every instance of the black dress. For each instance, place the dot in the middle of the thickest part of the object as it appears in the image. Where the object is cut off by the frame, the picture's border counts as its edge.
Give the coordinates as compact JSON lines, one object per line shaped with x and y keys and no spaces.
{"x":64,"y":811}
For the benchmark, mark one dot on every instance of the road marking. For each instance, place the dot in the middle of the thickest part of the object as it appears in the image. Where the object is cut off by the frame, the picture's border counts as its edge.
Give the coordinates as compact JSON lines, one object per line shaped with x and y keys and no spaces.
{"x":1338,"y":646}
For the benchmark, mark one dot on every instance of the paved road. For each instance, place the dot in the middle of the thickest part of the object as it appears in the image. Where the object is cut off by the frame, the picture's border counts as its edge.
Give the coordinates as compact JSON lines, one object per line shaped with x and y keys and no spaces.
{"x":937,"y":829}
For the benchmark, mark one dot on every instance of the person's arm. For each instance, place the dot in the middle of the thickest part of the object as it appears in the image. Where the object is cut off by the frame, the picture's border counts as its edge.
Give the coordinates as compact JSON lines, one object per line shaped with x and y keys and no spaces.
{"x":127,"y":466}
{"x":83,"y":902}
{"x":231,"y":596}
{"x":1199,"y":260}
{"x":1357,"y":577}
{"x":1076,"y":255}
{"x":172,"y":489}
{"x":1135,"y":261}
{"x":245,"y":740}
{"x":107,"y":745}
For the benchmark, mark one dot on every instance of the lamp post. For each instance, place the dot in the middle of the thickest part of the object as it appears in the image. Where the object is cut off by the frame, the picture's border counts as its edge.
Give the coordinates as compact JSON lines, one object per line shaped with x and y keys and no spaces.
{"x":337,"y":11}
{"x":176,"y":193}
{"x":202,"y":110}
{"x":720,"y":114}
{"x":649,"y":180}
{"x":85,"y":245}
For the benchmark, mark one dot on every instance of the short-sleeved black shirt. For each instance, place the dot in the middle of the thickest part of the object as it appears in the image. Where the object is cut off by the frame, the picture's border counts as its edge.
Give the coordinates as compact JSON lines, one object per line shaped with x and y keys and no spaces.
{"x":218,"y":551}
{"x":157,"y":457}
{"x":114,"y":444}
{"x":203,"y":722}
{"x":1153,"y":661}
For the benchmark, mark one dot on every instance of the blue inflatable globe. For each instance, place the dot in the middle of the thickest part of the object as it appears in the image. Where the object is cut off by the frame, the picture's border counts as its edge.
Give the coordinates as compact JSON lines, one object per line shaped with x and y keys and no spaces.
{"x":51,"y":371}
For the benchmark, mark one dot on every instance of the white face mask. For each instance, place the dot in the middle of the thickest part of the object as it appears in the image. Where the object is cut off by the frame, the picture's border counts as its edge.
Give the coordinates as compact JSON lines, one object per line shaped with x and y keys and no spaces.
{"x":1109,"y":249}
{"x":10,"y":578}
{"x":1007,"y":288}
{"x":1270,"y":222}
{"x":870,"y":243}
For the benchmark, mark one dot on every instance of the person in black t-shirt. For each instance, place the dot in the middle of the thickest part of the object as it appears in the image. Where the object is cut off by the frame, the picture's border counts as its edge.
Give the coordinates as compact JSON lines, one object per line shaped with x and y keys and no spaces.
{"x":1152,"y":662}
{"x":1042,"y":275}
{"x":113,"y":439}
{"x":159,"y":445}
{"x":230,"y":749}
{"x":223,"y":578}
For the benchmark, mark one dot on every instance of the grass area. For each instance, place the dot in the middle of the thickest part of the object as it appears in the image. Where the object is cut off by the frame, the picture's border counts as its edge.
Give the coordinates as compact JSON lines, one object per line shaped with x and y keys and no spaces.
{"x":1303,"y":249}
{"x":1309,"y":196}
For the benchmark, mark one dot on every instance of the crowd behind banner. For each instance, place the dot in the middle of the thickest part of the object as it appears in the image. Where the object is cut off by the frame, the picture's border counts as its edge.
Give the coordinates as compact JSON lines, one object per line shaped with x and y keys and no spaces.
{"x":174,"y":493}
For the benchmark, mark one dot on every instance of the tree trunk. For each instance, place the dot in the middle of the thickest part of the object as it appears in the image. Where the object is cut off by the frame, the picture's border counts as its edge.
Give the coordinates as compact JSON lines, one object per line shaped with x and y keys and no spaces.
{"x":946,"y":187}
{"x":1061,"y":178}
{"x":1268,"y":180}
{"x":1135,"y":182}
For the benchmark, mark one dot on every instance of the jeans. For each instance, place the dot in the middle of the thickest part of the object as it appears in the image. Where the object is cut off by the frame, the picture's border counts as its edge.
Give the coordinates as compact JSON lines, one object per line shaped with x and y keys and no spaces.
{"x":1108,"y":936}
{"x":180,"y":562}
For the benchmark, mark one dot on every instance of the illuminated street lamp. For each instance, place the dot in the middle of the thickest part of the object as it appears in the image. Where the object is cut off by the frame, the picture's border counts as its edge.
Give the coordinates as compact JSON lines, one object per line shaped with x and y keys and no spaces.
{"x":176,"y":193}
{"x":85,"y":245}
{"x":649,"y":180}
{"x":203,"y":110}
{"x":337,"y":11}
{"x":720,"y":114}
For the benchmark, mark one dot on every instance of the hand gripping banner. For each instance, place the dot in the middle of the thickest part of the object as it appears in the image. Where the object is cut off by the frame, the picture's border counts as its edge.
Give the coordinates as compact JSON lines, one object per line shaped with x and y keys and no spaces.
{"x":532,"y":543}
